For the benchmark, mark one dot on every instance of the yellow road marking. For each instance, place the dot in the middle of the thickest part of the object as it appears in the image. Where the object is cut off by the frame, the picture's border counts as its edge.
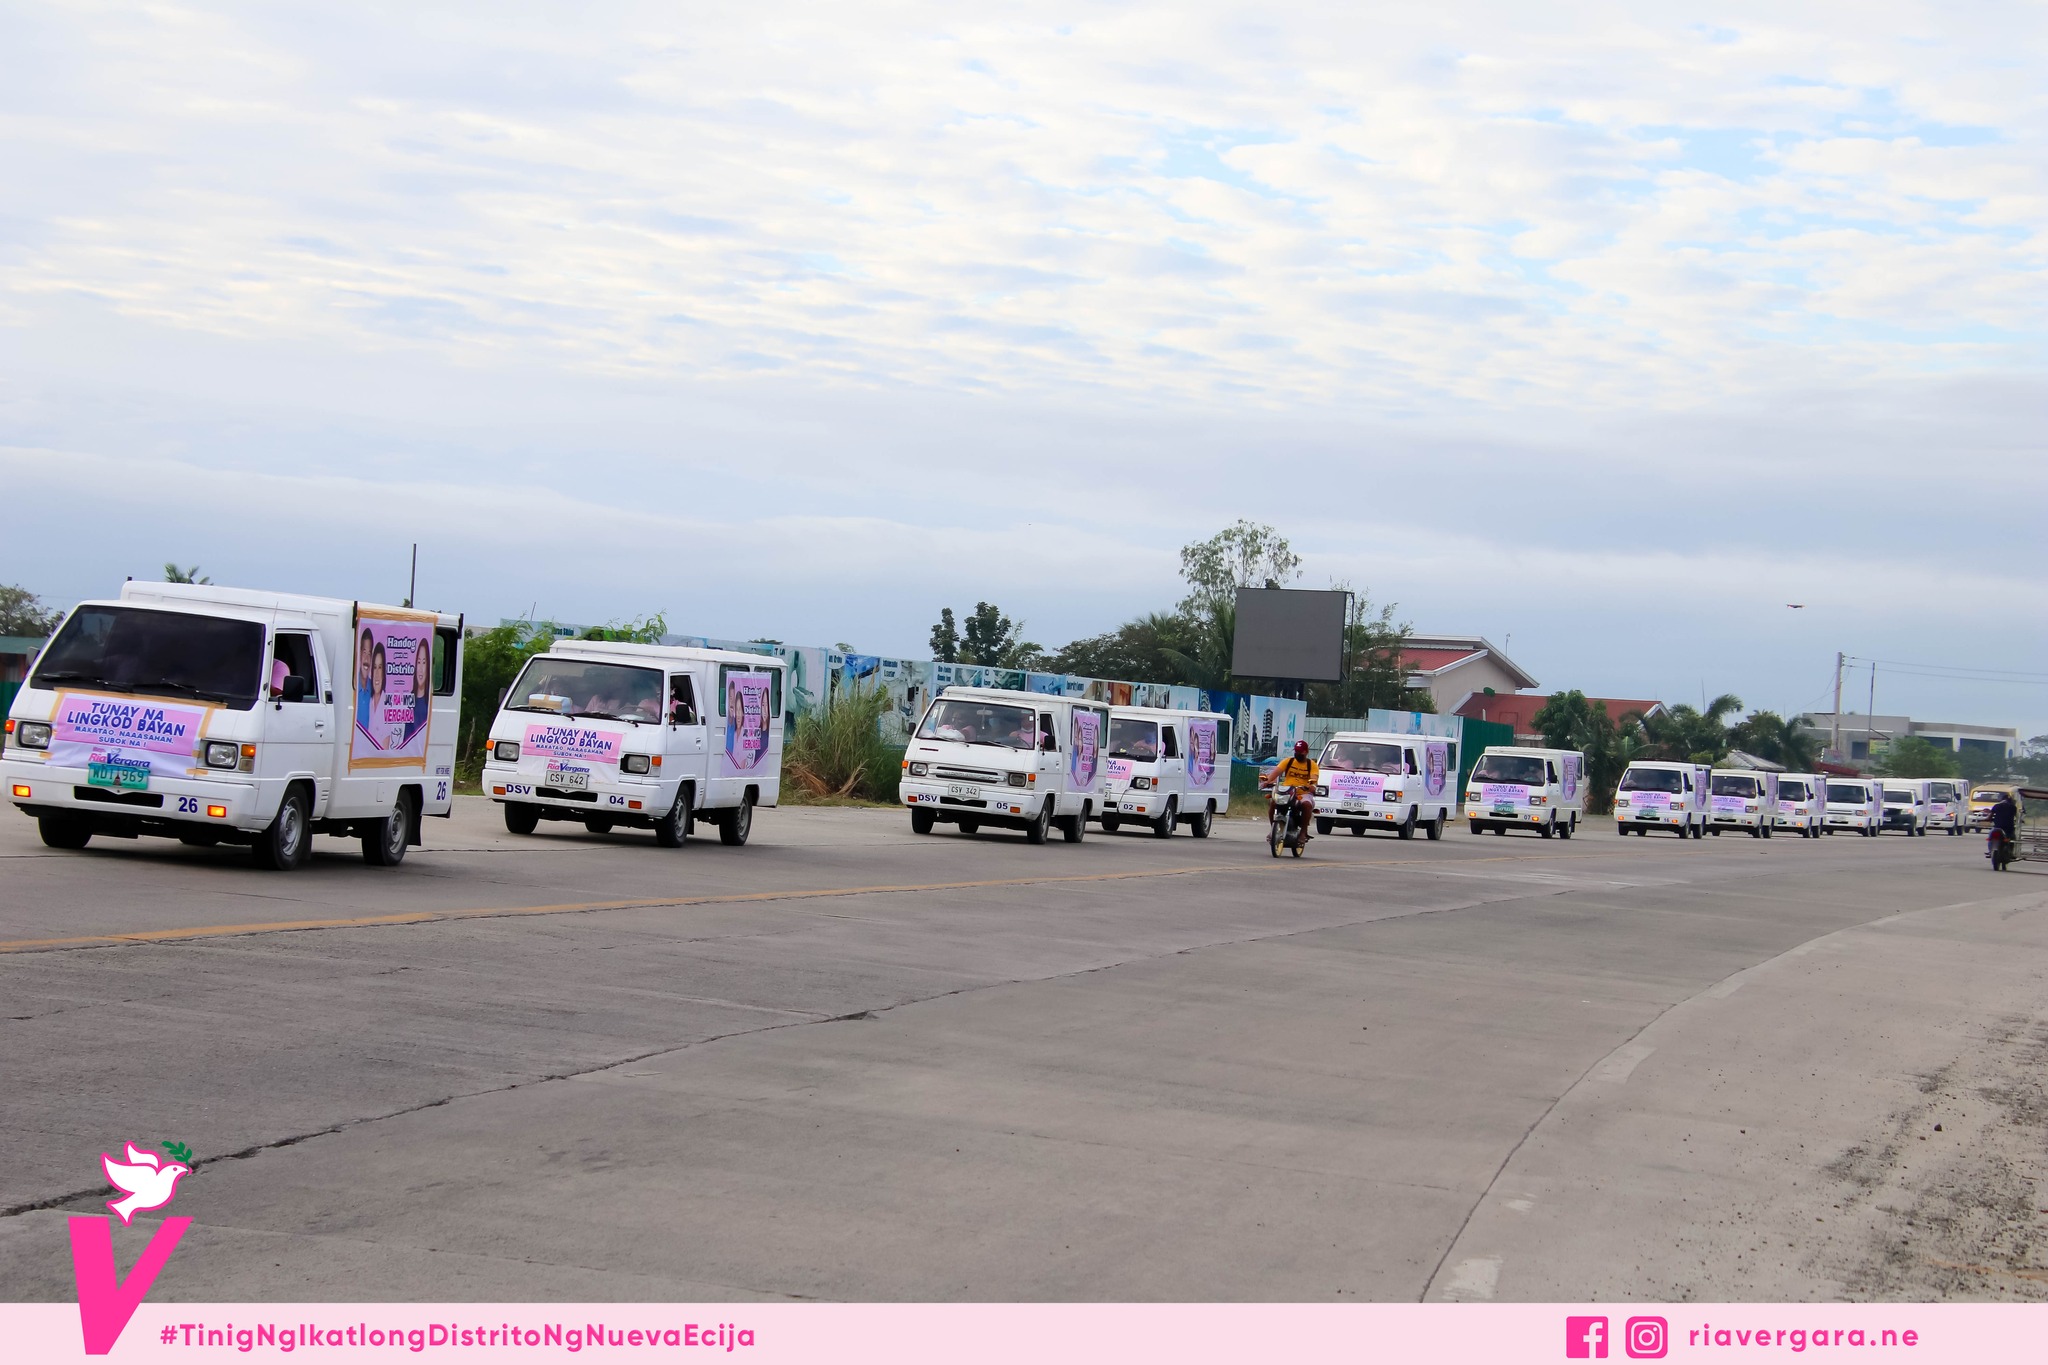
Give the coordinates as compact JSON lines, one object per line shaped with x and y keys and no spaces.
{"x":28,"y":945}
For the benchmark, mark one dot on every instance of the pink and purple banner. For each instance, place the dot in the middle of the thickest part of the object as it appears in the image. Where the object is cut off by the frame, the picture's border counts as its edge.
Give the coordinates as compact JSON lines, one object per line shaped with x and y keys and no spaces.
{"x":579,"y":743}
{"x":393,"y":669}
{"x":1355,"y":786}
{"x":124,"y":741}
{"x":1201,"y":752}
{"x":1083,"y":752}
{"x":746,"y":723}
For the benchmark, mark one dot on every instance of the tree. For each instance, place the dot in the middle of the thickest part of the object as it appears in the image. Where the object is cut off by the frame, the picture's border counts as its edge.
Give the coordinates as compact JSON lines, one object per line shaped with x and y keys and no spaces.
{"x":643,"y":632}
{"x":1770,"y":736}
{"x":1246,"y":555}
{"x":1988,"y":765}
{"x":1913,"y":756}
{"x":1686,"y":735}
{"x":1138,"y":650}
{"x":491,"y":660}
{"x":21,"y":613}
{"x":1570,"y":721}
{"x":990,"y":638}
{"x":946,"y":638}
{"x":174,"y":574}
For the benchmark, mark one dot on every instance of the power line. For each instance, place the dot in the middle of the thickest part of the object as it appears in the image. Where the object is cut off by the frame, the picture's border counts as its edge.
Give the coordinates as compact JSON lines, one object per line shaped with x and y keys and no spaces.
{"x":1956,"y":672}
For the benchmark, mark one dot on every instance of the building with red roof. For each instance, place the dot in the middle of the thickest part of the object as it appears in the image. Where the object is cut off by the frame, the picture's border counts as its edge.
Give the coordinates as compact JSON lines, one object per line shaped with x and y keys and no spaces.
{"x":1519,"y":710}
{"x":1453,"y":667}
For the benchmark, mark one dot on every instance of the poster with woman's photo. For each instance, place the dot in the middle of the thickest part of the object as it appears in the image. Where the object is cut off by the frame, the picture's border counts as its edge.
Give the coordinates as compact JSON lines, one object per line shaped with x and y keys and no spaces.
{"x":394,"y":685}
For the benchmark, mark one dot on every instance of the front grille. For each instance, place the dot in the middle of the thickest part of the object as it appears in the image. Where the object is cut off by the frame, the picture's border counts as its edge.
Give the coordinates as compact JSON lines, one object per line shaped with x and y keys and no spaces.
{"x":107,"y":797}
{"x":556,"y":793}
{"x":958,"y":801}
{"x":966,"y":774}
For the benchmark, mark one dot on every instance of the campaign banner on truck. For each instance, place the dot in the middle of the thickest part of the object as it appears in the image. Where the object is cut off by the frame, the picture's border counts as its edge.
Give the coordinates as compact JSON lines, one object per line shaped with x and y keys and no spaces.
{"x":746,"y":723}
{"x":576,"y":742}
{"x":394,"y":684}
{"x":1117,"y":769}
{"x":1201,"y":752}
{"x":1086,"y":747}
{"x":1570,"y":766}
{"x":1436,"y":769}
{"x":1355,"y":786}
{"x":120,"y":742}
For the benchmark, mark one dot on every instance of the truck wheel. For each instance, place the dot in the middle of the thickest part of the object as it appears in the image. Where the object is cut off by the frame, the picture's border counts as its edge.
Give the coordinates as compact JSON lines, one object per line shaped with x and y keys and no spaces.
{"x":1568,"y":829}
{"x":288,"y":842}
{"x":673,"y":829}
{"x":737,"y":825}
{"x":968,"y":826}
{"x":384,"y":841}
{"x":1162,"y":828}
{"x":1110,"y":823}
{"x":1407,"y":829}
{"x":597,"y":824}
{"x":1358,"y":829}
{"x":1436,"y":827}
{"x":921,"y":821}
{"x":521,"y":818}
{"x":1038,"y":829}
{"x":1201,"y":824}
{"x":64,"y":831}
{"x":1074,"y":828}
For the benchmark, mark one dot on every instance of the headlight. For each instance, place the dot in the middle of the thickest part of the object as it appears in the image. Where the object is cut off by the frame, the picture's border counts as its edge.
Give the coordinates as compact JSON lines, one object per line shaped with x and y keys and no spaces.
{"x":1750,"y":809}
{"x":1141,"y":784}
{"x":33,"y":734}
{"x":1621,"y":800}
{"x":633,"y":763}
{"x":1390,"y":795}
{"x":1471,"y":796}
{"x":220,"y":755}
{"x":1014,"y":779}
{"x":1322,"y":791}
{"x":506,"y":751}
{"x":919,"y":769}
{"x":1538,"y":800}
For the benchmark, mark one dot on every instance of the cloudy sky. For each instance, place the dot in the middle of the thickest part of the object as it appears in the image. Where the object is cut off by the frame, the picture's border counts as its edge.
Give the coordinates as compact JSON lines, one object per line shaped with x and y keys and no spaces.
{"x":1608,"y":328}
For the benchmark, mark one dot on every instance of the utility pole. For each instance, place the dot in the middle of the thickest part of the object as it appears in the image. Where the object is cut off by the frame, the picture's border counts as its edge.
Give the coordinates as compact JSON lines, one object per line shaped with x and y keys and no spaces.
{"x":1871,"y":719}
{"x":412,"y":585}
{"x":1835,"y":740}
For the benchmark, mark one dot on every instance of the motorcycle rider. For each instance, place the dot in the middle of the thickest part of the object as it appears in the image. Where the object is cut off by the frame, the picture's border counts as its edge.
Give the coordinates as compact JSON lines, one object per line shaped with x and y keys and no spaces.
{"x":1301,"y":774}
{"x":2005,"y":819}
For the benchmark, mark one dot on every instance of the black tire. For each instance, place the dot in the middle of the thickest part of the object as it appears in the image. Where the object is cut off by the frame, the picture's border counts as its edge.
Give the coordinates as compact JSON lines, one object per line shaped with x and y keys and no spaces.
{"x":1475,"y":826}
{"x":1273,"y":834}
{"x":1358,"y":829}
{"x":1567,"y":829}
{"x":288,"y":842}
{"x":737,"y":825}
{"x":64,"y":831}
{"x":1040,"y":828}
{"x":921,"y":821}
{"x":597,"y":824}
{"x":200,"y":838}
{"x":1074,"y":828}
{"x":1621,"y":829}
{"x":1549,"y":830}
{"x":1200,"y":825}
{"x":1162,"y":828}
{"x":672,"y":830}
{"x":521,"y":818}
{"x":1501,"y":830}
{"x":384,"y":841}
{"x":1435,"y":829}
{"x":1111,"y":823}
{"x":1407,"y":827}
{"x":1324,"y":825}
{"x":968,"y":826}
{"x":1699,"y":831}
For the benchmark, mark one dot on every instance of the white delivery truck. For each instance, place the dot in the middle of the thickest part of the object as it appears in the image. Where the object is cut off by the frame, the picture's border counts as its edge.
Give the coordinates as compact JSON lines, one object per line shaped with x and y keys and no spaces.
{"x":1653,"y":794}
{"x":1164,"y":767}
{"x":1802,"y":804}
{"x":1854,"y":804}
{"x":645,"y":736}
{"x":1907,"y":804}
{"x":1948,"y":804}
{"x":1743,"y":799}
{"x":1522,"y":788}
{"x":1374,"y":780}
{"x":991,"y":756}
{"x":219,"y":715}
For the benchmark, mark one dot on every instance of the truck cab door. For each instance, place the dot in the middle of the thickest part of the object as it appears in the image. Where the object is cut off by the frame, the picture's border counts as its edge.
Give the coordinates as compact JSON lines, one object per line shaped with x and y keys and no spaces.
{"x":1173,"y":765}
{"x":685,"y":745}
{"x":1052,"y":775}
{"x":300,"y":735}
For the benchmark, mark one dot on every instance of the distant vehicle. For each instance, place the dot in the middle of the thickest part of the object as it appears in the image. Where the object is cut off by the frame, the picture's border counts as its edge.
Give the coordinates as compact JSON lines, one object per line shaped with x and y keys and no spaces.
{"x":1743,"y":800}
{"x":1164,"y":768}
{"x":1948,"y":804}
{"x":1907,"y":804}
{"x":1020,"y":760}
{"x":1513,"y":787}
{"x":1802,"y":804}
{"x":1654,"y":794}
{"x":1983,"y":797}
{"x":1855,"y":804}
{"x":217,"y":715}
{"x":1394,"y":782}
{"x":641,"y":736}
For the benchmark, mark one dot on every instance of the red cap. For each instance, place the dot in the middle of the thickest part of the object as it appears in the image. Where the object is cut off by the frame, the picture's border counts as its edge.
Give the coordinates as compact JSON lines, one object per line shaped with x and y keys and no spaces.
{"x":1301,"y":748}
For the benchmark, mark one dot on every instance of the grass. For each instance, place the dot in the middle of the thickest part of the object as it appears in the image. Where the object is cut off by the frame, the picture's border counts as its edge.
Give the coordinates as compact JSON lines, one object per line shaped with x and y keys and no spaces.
{"x":837,"y":753}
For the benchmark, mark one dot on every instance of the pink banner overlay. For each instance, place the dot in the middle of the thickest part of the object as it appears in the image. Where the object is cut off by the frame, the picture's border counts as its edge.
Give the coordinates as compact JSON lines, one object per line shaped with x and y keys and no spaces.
{"x":746,"y":721}
{"x":1117,"y":769}
{"x":1087,"y":744}
{"x":1002,"y":1334}
{"x":392,"y":665}
{"x":114,"y":734}
{"x":1436,"y":769}
{"x":1201,"y":752}
{"x":1504,"y":792}
{"x":578,"y":742}
{"x":1355,"y":786}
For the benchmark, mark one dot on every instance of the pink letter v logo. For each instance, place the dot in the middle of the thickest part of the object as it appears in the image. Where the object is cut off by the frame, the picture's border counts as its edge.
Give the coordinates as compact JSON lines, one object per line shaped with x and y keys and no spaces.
{"x":104,"y":1303}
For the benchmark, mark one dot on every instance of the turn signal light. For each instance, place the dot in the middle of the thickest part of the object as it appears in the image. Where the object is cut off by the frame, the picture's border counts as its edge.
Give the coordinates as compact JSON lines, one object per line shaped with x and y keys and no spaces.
{"x":20,"y":789}
{"x":217,"y":812}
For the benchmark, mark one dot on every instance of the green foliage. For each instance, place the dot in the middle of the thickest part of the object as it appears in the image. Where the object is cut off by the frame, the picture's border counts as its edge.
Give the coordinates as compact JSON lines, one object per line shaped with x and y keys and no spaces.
{"x":174,"y":574}
{"x":1570,"y":721}
{"x":1246,"y":555}
{"x":1372,"y":643}
{"x":22,"y":613}
{"x":1984,"y":765}
{"x":642,"y":632}
{"x":491,"y":659}
{"x":1769,"y":735}
{"x":986,"y":637}
{"x":178,"y":1151}
{"x":1137,"y":650}
{"x":1913,"y":756}
{"x":946,"y":638}
{"x":1686,"y":735}
{"x":836,"y":751}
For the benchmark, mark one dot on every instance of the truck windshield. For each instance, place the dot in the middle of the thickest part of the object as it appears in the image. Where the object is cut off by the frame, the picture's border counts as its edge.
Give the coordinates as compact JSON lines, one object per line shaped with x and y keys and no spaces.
{"x":980,"y":722}
{"x":158,"y":653}
{"x":1137,"y":739}
{"x":1843,"y":795}
{"x":586,"y":688}
{"x":1897,"y":797}
{"x":1791,"y":791}
{"x":1652,"y":780}
{"x":1735,"y":786}
{"x":1509,"y":768}
{"x":1352,"y":756}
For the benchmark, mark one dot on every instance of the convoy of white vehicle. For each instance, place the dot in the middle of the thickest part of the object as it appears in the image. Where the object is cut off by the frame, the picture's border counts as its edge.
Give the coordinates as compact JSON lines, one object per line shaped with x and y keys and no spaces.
{"x":226,"y":716}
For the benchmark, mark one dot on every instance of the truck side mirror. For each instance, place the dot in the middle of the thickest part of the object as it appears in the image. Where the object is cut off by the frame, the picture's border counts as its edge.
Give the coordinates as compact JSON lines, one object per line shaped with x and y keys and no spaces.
{"x":679,"y":714}
{"x":1045,"y":743}
{"x":294,"y":688}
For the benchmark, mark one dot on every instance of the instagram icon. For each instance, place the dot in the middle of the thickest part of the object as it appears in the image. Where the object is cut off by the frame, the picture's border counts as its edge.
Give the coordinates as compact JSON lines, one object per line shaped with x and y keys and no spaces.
{"x":1586,"y":1339}
{"x":1646,"y":1338}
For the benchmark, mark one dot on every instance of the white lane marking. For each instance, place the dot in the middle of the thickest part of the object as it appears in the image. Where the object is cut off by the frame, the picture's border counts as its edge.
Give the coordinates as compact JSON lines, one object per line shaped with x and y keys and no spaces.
{"x":1615,"y":1069}
{"x":1475,"y":1278}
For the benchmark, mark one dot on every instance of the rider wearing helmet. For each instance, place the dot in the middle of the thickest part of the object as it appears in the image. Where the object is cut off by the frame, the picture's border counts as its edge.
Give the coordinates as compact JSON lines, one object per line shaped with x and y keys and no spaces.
{"x":1301,"y":774}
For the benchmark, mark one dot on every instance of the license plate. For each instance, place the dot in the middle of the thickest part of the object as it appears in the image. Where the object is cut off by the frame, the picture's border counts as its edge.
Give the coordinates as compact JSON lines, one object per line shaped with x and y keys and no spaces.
{"x":1503,"y":808}
{"x":123,"y":777}
{"x":569,"y":779}
{"x":960,"y":793}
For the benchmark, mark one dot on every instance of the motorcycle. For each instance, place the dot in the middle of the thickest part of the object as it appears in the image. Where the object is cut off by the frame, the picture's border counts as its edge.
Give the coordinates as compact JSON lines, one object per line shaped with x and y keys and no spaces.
{"x":1287,"y":825}
{"x":1999,"y":849}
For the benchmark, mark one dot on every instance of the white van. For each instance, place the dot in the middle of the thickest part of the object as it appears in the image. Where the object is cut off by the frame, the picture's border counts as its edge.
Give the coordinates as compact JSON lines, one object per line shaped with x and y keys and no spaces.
{"x":1163,"y":768}
{"x":1907,"y":804}
{"x":1386,"y":781}
{"x":1517,"y":788}
{"x":1743,"y":799}
{"x":990,"y":756}
{"x":1948,"y":804}
{"x":226,"y":716}
{"x":1854,"y":805}
{"x":1660,"y":795}
{"x":1802,"y":804}
{"x":644,"y":736}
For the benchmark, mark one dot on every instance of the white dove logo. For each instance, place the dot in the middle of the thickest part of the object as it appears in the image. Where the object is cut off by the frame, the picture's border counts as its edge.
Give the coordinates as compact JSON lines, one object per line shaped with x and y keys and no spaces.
{"x":150,"y":1182}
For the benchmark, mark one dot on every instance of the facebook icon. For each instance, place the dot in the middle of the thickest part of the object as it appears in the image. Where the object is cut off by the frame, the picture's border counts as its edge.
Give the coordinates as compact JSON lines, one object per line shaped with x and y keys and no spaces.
{"x":1585,"y":1338}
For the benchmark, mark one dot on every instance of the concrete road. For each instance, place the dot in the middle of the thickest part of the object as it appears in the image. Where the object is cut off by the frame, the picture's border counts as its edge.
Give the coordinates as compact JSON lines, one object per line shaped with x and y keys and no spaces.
{"x":848,"y":1062}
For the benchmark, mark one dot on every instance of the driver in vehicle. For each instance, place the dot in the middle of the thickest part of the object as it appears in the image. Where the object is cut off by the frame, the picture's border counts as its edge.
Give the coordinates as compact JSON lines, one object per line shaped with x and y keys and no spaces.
{"x":1301,"y":775}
